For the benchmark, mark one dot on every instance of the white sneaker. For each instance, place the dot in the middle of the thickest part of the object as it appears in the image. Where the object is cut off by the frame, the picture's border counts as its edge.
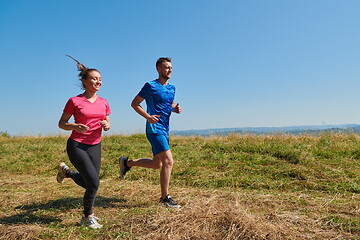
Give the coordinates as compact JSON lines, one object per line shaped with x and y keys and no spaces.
{"x":61,"y":172}
{"x":90,"y":222}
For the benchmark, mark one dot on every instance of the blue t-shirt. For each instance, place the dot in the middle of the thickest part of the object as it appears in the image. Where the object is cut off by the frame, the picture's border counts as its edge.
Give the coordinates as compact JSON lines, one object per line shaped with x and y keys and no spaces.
{"x":159,"y":100}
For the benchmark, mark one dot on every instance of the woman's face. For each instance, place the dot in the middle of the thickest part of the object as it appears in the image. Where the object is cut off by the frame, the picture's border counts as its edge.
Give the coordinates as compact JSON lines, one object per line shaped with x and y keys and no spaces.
{"x":93,"y":82}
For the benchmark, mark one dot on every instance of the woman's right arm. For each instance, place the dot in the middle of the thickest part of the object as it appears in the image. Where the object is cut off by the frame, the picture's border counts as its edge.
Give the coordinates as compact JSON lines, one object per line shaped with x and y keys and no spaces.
{"x":64,"y":124}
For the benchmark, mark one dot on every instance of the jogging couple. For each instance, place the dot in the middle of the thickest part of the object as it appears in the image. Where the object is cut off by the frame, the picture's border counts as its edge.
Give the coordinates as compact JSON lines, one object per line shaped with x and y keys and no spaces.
{"x":91,"y":116}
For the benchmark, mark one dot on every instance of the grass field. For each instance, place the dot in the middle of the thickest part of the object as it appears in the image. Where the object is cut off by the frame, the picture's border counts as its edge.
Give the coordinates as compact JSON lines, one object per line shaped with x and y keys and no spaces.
{"x":234,"y":187}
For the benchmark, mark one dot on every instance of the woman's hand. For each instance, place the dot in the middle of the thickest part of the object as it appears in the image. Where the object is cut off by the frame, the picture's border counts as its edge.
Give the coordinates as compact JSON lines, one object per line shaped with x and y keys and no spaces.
{"x":64,"y":124}
{"x":105,"y":125}
{"x":81,"y":128}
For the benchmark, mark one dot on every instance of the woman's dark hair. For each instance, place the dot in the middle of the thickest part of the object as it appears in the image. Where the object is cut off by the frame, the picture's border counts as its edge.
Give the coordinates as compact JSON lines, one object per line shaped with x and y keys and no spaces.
{"x":84,"y":71}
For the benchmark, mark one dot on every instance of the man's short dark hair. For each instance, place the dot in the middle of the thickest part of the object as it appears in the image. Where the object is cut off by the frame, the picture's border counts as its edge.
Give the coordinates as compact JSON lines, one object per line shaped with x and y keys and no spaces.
{"x":161,"y":60}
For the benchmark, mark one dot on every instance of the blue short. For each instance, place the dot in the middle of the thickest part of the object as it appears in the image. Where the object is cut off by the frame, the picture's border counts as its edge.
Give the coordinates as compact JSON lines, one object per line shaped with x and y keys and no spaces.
{"x":159,"y":142}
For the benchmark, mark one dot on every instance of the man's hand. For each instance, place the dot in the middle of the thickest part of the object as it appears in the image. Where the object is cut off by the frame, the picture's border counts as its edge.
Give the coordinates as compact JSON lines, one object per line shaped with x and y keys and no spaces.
{"x":153,"y":118}
{"x":177,"y":109}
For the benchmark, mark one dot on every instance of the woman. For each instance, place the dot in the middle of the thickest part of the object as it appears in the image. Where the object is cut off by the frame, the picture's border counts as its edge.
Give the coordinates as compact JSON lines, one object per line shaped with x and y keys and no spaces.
{"x":91,"y":115}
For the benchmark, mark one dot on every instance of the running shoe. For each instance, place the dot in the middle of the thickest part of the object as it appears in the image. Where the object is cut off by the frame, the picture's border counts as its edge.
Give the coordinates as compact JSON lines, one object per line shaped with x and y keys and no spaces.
{"x":62,"y":168}
{"x":90,"y":222}
{"x":169,"y":202}
{"x":124,"y":168}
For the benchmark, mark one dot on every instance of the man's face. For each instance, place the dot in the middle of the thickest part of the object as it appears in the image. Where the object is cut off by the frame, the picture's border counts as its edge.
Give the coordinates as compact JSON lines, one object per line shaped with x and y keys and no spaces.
{"x":165,"y":70}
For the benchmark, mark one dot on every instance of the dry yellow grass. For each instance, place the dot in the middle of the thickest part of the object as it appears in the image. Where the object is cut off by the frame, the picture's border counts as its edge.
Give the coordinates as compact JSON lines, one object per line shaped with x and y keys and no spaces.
{"x":40,"y":208}
{"x":304,"y":187}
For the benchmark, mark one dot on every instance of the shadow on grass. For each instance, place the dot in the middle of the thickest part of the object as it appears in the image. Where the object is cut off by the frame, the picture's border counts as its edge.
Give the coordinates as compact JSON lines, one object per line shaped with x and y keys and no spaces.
{"x":28,"y":218}
{"x":32,"y":216}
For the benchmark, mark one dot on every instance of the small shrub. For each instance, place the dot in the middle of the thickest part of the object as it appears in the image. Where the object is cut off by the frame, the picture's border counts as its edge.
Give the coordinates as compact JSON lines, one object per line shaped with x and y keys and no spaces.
{"x":4,"y":134}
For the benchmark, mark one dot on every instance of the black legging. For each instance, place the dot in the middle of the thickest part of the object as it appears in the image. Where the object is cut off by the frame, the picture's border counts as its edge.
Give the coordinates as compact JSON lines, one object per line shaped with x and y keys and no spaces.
{"x":86,"y":159}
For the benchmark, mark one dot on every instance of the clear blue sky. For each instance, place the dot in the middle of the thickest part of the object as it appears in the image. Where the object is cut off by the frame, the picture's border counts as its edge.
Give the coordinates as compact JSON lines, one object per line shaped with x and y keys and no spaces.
{"x":236,"y":63}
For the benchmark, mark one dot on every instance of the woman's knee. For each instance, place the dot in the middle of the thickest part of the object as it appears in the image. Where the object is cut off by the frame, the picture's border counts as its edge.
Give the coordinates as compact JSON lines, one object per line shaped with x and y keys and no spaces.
{"x":93,"y":185}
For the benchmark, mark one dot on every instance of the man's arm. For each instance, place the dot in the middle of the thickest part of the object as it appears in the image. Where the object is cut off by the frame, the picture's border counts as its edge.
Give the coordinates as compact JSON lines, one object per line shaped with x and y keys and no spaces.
{"x":135,"y":104}
{"x":176,"y":107}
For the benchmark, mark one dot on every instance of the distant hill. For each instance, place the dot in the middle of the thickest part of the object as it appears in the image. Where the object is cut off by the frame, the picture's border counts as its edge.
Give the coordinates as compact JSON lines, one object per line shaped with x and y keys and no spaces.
{"x":296,"y":130}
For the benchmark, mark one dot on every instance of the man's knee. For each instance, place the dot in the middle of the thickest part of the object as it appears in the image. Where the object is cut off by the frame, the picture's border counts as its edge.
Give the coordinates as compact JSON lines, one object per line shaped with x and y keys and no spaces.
{"x":157,"y":164}
{"x":167,"y":161}
{"x":164,"y":159}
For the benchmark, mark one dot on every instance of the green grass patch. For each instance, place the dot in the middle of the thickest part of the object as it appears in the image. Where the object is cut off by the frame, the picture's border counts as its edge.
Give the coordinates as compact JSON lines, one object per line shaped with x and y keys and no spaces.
{"x":316,"y":177}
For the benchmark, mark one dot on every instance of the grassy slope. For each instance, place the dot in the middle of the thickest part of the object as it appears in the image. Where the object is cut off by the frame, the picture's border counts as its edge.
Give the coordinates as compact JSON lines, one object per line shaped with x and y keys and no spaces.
{"x":235,"y":187}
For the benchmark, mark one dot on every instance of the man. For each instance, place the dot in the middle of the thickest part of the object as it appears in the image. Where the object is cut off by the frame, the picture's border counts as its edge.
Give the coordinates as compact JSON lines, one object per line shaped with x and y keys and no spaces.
{"x":159,"y":96}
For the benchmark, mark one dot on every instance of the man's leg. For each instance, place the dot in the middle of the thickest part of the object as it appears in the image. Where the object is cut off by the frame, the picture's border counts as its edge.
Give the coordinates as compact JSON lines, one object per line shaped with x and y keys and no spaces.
{"x":165,"y":173}
{"x":163,"y":160}
{"x":145,"y":162}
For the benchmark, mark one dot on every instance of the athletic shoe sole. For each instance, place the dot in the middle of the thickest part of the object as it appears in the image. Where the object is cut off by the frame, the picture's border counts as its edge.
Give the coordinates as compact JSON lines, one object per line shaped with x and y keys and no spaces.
{"x":122,"y":171}
{"x":61,"y":172}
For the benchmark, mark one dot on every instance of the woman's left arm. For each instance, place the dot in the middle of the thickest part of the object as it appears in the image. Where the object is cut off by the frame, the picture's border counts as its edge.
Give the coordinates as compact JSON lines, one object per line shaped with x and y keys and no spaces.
{"x":105,"y":123}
